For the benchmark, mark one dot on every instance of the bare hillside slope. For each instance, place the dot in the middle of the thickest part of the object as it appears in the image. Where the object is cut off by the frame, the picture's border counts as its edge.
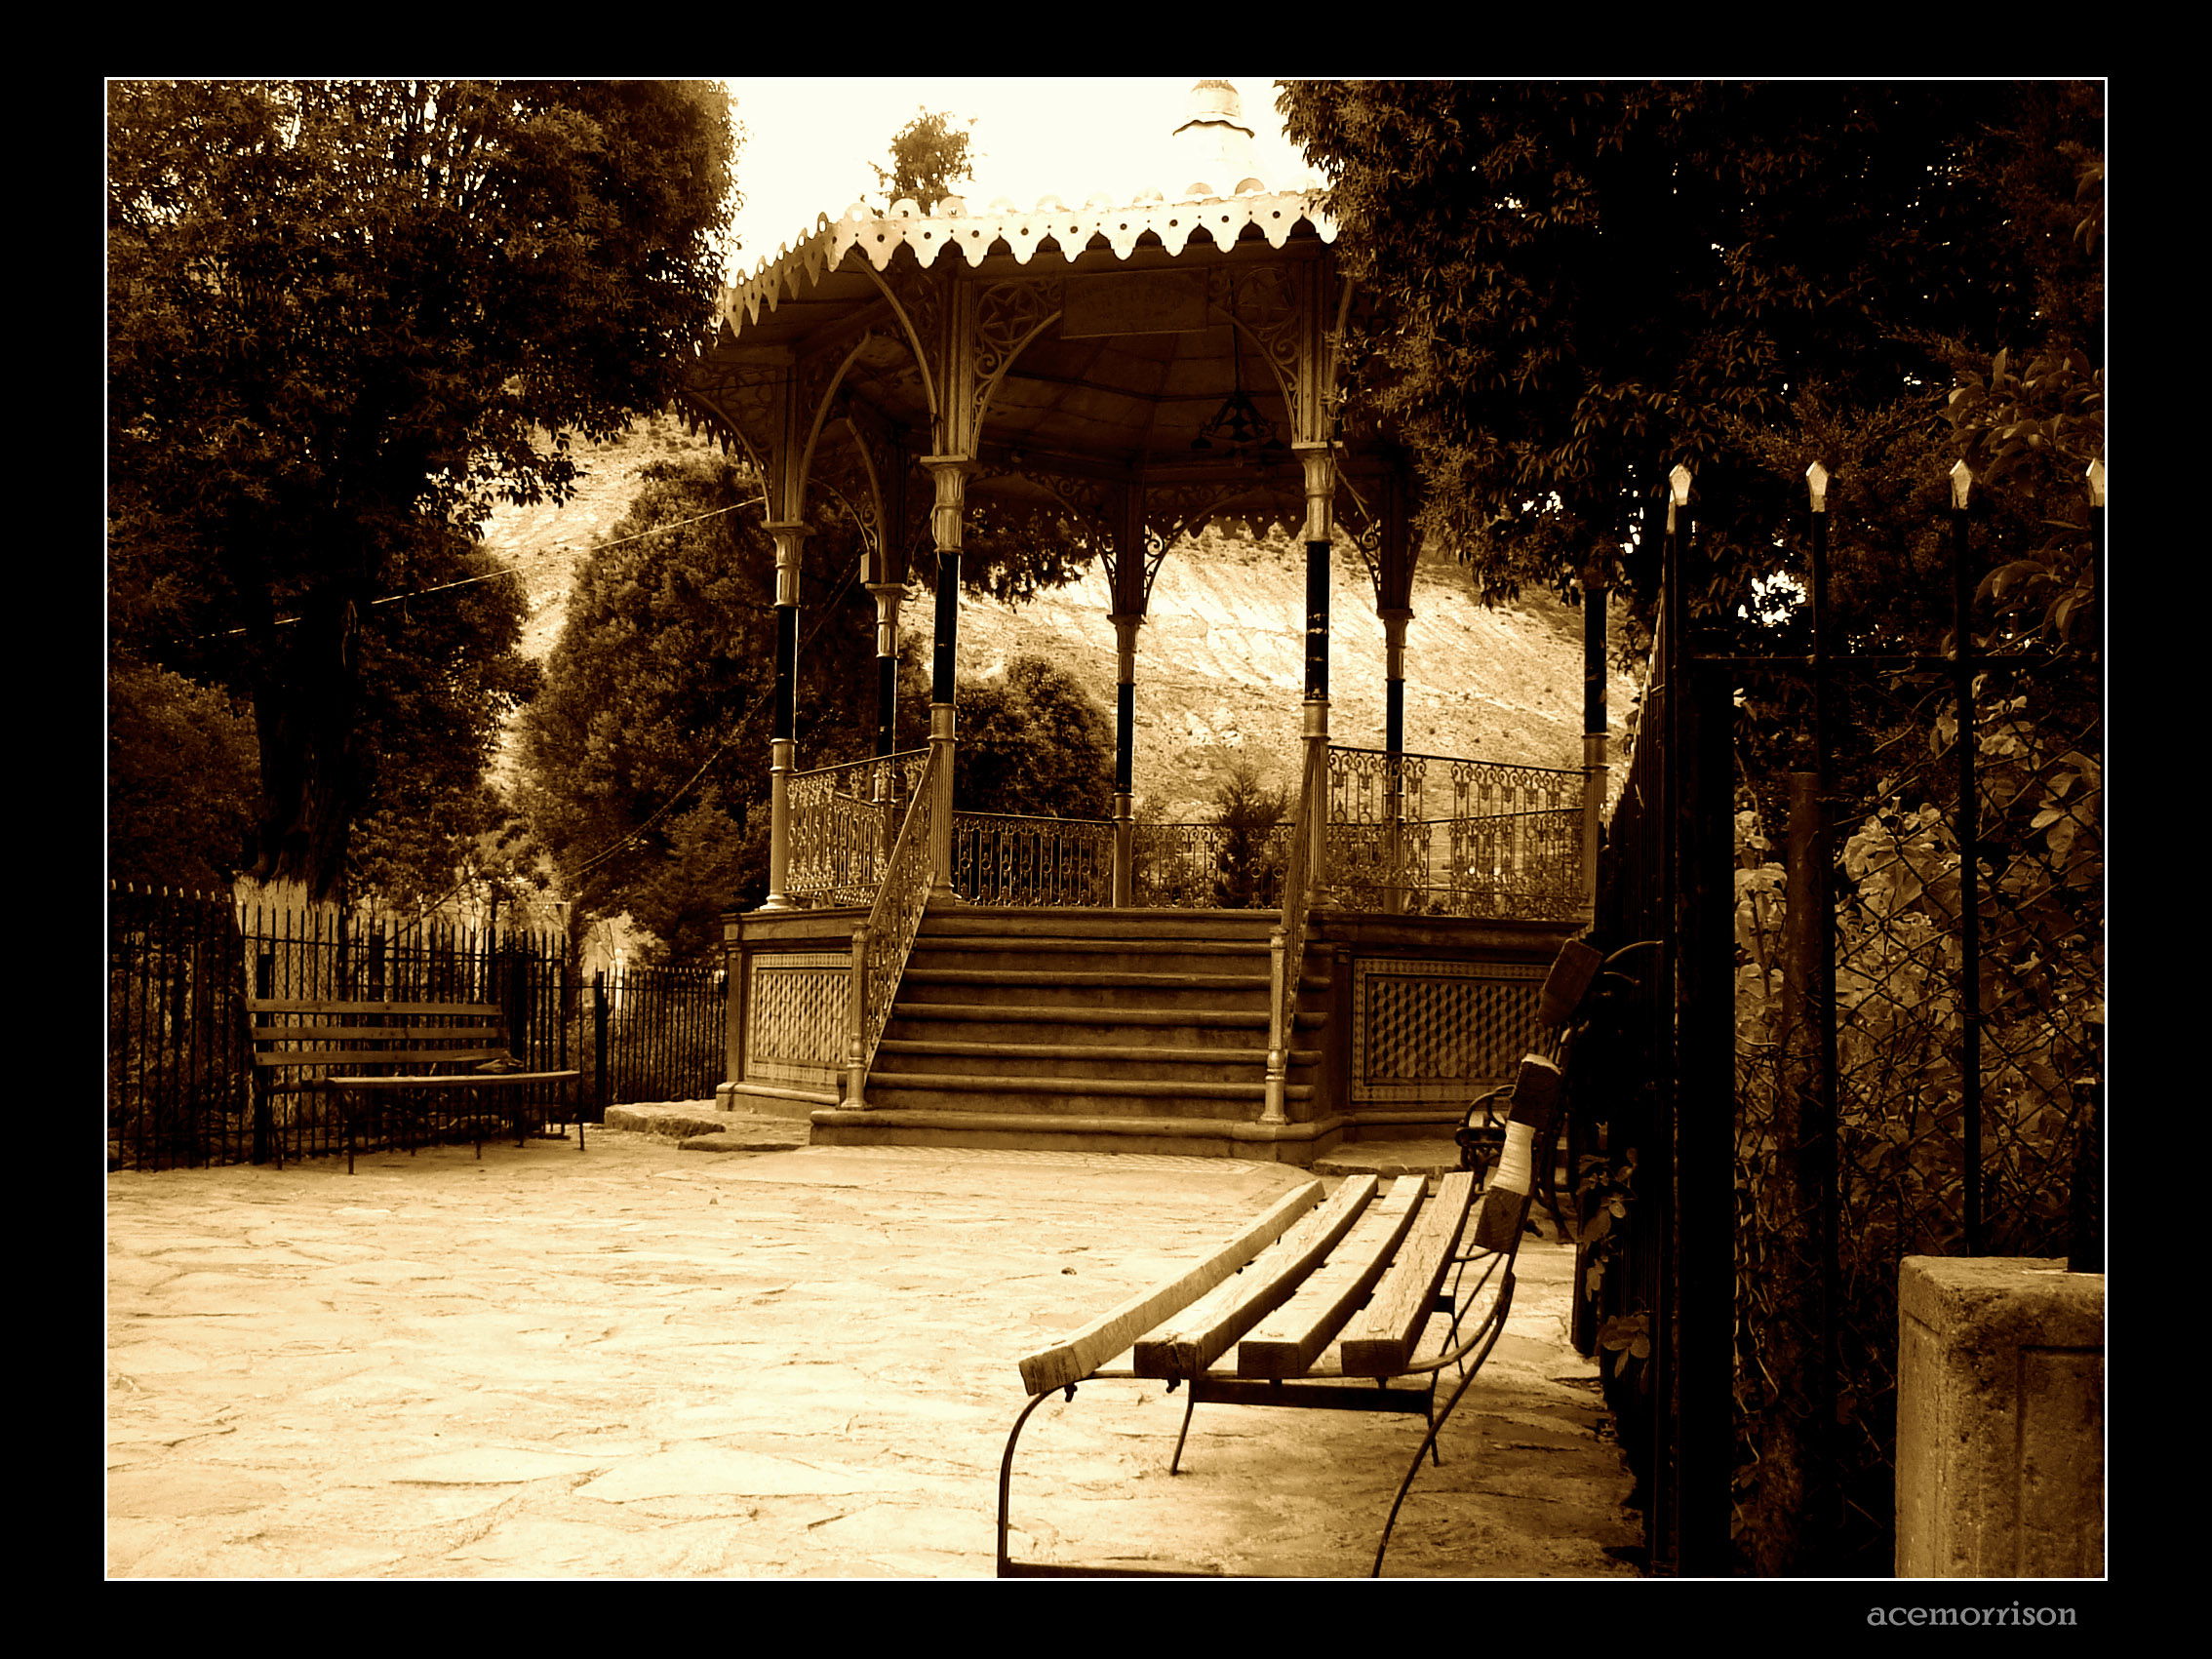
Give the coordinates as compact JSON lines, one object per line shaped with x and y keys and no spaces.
{"x":1220,"y":666}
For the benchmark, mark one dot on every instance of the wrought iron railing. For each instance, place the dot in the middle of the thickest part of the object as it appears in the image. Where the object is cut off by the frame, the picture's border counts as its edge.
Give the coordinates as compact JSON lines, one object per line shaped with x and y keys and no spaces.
{"x":1300,"y":881}
{"x":1430,"y":835}
{"x":1004,"y":858}
{"x":881,"y":944}
{"x":844,"y":819}
{"x":1208,"y":867}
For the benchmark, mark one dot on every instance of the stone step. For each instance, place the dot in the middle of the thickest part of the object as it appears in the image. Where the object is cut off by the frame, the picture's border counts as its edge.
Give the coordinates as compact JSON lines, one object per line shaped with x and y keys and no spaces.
{"x":1103,"y":1132}
{"x":1085,"y":1024}
{"x":1060,"y":989}
{"x":1069,"y":922}
{"x":1079,"y":945}
{"x":899,"y":1058}
{"x":1066,"y":1096}
{"x":1093,"y":956}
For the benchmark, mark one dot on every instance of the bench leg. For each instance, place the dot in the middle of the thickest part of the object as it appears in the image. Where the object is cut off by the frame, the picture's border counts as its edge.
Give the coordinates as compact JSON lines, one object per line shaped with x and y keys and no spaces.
{"x":1437,"y":1421}
{"x":1175,"y":1463}
{"x":1006,"y":1474}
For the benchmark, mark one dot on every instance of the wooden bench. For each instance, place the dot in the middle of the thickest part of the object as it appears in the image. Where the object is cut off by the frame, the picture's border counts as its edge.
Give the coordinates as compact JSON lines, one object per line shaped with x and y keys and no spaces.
{"x":1329,"y":1300}
{"x":421,"y":1051}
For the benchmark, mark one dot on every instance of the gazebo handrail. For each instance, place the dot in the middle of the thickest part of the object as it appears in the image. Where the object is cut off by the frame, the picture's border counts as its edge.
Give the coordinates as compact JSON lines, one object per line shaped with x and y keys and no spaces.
{"x":881,"y":944}
{"x":1034,"y":817}
{"x":1452,"y":760}
{"x":901,"y":756}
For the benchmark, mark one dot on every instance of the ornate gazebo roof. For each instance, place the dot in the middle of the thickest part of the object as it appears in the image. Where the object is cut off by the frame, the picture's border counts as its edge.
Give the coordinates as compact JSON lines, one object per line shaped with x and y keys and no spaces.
{"x":1181,"y":343}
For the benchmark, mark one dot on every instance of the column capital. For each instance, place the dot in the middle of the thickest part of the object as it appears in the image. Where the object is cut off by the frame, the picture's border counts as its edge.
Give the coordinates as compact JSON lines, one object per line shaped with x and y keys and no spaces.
{"x":1320,"y":462}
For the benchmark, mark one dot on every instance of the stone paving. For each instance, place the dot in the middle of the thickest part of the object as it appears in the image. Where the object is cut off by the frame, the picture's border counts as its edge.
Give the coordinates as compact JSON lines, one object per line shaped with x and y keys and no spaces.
{"x":642,"y":1363}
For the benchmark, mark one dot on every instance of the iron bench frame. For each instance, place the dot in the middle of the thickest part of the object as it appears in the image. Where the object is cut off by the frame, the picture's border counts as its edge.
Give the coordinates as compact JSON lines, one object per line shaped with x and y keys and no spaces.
{"x":353,"y":1034}
{"x":1321,"y":1386}
{"x":1513,"y":1155}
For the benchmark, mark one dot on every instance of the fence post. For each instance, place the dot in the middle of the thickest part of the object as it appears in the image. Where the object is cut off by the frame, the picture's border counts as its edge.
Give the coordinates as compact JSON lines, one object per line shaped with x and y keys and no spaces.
{"x":1966,"y":831}
{"x":1595,"y":774}
{"x":265,"y":984}
{"x":599,"y":1041}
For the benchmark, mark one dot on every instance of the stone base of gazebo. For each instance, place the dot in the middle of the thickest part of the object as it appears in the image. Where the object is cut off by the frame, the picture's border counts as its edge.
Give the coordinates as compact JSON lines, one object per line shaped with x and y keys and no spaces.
{"x":1134,"y":1031}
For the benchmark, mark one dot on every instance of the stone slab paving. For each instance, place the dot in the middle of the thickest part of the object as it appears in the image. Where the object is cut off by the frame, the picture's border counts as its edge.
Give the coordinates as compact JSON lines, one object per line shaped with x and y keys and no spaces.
{"x":644,"y":1364}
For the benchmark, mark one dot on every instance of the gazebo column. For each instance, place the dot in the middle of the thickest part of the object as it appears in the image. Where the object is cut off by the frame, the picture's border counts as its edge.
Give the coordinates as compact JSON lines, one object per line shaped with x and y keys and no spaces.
{"x":1321,"y":492}
{"x":1394,"y":622}
{"x":1394,"y":678}
{"x":888,"y":597}
{"x":782,"y":733}
{"x":1125,"y":759}
{"x":949,"y":474}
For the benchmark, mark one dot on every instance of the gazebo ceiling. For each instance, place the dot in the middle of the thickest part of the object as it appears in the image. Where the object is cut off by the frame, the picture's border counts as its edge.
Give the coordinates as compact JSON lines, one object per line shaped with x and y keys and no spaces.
{"x":1140,"y":356}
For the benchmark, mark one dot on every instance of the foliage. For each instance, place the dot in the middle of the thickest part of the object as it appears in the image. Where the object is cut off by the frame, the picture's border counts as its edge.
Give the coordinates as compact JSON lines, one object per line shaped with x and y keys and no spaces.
{"x":929,"y":155}
{"x":1580,"y":285}
{"x":344,"y":317}
{"x":1033,"y":741}
{"x":180,"y":778}
{"x":1246,"y":812}
{"x":642,"y":756}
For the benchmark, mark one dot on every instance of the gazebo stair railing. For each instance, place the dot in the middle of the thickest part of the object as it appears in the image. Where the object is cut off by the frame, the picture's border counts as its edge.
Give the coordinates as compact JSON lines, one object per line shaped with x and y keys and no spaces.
{"x":844,"y":821}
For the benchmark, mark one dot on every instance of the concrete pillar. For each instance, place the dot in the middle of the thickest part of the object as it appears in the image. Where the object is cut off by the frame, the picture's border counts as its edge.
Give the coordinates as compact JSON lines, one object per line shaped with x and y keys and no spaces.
{"x":2001,"y":1419}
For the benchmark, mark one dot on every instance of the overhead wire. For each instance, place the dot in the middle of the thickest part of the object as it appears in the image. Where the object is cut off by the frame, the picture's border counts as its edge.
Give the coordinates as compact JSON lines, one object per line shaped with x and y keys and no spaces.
{"x":509,"y":568}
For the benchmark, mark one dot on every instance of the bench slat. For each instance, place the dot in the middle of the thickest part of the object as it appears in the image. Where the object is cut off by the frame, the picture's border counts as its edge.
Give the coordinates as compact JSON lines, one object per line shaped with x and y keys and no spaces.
{"x":1076,"y":1357}
{"x":1289,"y":1340}
{"x":470,"y":1033}
{"x":282,"y":1005}
{"x":1379,"y":1340}
{"x":465,"y":1078}
{"x":361,"y":1057}
{"x":1202,"y":1333}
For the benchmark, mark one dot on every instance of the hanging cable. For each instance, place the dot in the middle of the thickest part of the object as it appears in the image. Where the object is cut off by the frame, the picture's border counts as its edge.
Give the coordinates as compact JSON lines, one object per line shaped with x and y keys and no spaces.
{"x":828,"y":610}
{"x":508,"y":569}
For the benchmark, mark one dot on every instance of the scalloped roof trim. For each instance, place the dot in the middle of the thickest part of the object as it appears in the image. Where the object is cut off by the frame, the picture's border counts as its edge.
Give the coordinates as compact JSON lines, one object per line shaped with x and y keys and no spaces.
{"x":1022,"y":229}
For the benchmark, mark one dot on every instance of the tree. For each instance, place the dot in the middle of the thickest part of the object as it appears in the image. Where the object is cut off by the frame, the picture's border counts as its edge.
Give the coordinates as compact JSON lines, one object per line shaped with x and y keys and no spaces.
{"x":642,"y":756}
{"x":343,"y":318}
{"x":181,"y":781}
{"x":1247,"y":813}
{"x":928,"y":157}
{"x":1578,"y":286}
{"x":1032,"y":742}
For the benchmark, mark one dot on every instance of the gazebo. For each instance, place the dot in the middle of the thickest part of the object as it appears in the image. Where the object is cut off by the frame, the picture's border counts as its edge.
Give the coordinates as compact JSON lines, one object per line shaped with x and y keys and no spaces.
{"x":1138,"y":369}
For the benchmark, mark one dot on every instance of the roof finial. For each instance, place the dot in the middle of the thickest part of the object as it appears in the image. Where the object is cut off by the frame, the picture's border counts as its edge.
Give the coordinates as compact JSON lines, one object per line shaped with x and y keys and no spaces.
{"x":1214,"y":146}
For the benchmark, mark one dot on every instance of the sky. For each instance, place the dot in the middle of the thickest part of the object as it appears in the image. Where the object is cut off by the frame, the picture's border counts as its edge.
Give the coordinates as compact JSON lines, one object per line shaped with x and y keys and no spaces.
{"x":811,"y":143}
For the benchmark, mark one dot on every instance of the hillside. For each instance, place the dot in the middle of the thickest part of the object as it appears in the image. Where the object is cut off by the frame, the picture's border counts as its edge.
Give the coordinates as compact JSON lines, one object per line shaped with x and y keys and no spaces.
{"x":1220,"y":665}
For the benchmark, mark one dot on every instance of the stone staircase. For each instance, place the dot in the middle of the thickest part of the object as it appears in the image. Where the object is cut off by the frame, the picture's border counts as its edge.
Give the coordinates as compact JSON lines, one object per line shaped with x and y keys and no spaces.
{"x":1085,"y":1030}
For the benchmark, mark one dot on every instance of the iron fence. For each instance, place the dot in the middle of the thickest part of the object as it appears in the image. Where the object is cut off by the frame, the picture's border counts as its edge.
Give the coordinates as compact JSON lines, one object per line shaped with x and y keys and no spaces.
{"x":182,"y":968}
{"x":1210,"y":866}
{"x":1009,"y":858}
{"x":1434,"y":836}
{"x":658,"y":1033}
{"x":1872,"y":866}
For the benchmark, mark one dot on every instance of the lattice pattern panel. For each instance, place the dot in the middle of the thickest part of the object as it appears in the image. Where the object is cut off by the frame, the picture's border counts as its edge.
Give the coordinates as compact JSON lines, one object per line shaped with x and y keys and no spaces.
{"x":1439,"y":1030}
{"x":797,"y":1010}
